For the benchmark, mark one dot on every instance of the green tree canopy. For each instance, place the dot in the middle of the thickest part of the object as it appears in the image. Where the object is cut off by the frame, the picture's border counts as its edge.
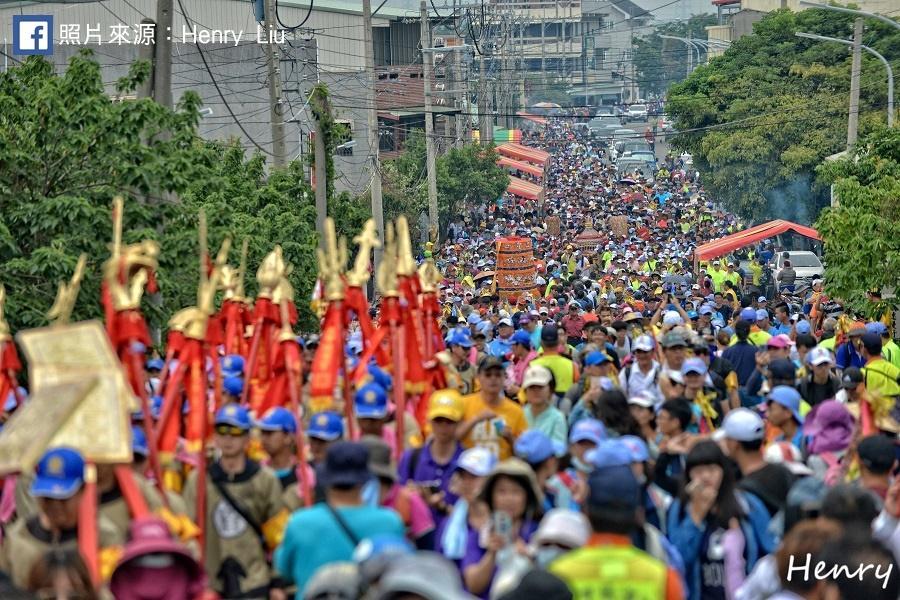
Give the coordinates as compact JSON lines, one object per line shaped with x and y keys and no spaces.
{"x":66,"y":149}
{"x":760,"y":118}
{"x":862,"y":249}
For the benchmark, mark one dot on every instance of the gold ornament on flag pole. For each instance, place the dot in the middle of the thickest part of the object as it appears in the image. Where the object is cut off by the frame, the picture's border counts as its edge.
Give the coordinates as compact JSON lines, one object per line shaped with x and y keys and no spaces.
{"x":67,"y":294}
{"x":365,"y":241}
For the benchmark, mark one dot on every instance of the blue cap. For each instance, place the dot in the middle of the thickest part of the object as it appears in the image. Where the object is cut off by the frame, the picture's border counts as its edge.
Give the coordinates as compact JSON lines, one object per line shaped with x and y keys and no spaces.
{"x":748,"y":314}
{"x":11,"y":402}
{"x":803,"y":327}
{"x":694,"y":365}
{"x":233,"y":385}
{"x":235,"y":415}
{"x":637,"y":447}
{"x":876,"y":327}
{"x":692,"y":314}
{"x":614,"y":487}
{"x":474,"y":319}
{"x":595,"y":357}
{"x":706,"y":309}
{"x":609,"y":453}
{"x":371,"y":402}
{"x":232,"y":364}
{"x":328,"y":426}
{"x":534,"y":447}
{"x":522,"y":337}
{"x":155,"y":364}
{"x":59,"y":474}
{"x":278,"y":419}
{"x":139,"y":441}
{"x":761,"y":314}
{"x":459,"y":337}
{"x":590,"y":430}
{"x":789,"y":398}
{"x":380,"y":376}
{"x":485,"y":327}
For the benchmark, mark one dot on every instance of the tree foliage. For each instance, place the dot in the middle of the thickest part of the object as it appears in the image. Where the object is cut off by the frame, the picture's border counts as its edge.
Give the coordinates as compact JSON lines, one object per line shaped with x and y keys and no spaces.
{"x":66,"y":149}
{"x":466,"y":176}
{"x":760,"y":118}
{"x":862,"y":249}
{"x":660,"y":62}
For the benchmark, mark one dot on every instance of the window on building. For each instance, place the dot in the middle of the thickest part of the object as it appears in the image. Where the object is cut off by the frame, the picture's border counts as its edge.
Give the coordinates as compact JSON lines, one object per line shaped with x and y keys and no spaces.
{"x":345,"y":137}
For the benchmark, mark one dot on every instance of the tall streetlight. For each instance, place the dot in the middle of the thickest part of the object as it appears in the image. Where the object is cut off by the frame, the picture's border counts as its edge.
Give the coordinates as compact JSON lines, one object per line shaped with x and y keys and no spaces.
{"x":851,"y":11}
{"x":887,"y":65}
{"x":691,"y":49}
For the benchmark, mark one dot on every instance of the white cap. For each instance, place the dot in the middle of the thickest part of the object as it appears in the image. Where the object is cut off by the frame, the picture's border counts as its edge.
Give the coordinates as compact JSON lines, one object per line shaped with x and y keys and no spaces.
{"x":564,"y":527}
{"x":644,"y":343}
{"x":505,"y":321}
{"x":536,"y":375}
{"x":672,"y":318}
{"x":643,"y":399}
{"x":819,"y":356}
{"x":741,"y":425}
{"x":478,"y":461}
{"x":503,"y":314}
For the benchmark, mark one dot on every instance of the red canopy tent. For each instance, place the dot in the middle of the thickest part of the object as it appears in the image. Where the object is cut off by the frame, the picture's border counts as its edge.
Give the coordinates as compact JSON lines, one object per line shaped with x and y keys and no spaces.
{"x":520,"y":152}
{"x":520,"y":165}
{"x":749,"y":236}
{"x":533,"y":118}
{"x":524,"y":189}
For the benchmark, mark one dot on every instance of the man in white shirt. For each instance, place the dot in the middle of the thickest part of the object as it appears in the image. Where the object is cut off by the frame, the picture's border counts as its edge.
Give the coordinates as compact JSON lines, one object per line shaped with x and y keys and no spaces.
{"x":642,"y":375}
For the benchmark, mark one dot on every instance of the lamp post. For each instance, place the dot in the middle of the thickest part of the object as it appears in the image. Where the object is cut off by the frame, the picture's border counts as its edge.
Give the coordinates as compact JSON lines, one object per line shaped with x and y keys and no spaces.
{"x":887,"y":65}
{"x":851,"y":11}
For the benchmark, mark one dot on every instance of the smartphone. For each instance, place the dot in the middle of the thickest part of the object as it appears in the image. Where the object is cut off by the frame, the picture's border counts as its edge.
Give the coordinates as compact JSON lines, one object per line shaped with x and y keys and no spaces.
{"x":501,"y":524}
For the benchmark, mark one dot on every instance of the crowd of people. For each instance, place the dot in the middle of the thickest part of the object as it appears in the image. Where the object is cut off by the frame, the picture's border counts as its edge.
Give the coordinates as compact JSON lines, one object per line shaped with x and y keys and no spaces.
{"x":637,"y":426}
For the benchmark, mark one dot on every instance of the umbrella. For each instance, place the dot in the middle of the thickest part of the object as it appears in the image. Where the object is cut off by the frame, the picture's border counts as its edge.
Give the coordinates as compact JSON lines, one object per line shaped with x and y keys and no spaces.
{"x":628,"y":181}
{"x":546,"y":105}
{"x":484,"y":275}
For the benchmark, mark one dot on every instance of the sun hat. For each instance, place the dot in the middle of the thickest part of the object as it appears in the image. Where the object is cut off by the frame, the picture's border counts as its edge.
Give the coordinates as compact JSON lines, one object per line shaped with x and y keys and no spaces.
{"x":536,"y":375}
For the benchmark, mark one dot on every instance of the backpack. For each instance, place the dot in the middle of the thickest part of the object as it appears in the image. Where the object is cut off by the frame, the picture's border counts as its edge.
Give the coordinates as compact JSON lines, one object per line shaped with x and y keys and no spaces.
{"x":630,"y":370}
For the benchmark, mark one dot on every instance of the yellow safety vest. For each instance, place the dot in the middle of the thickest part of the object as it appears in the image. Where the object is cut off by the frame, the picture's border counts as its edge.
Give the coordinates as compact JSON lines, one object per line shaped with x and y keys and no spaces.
{"x":612,"y":572}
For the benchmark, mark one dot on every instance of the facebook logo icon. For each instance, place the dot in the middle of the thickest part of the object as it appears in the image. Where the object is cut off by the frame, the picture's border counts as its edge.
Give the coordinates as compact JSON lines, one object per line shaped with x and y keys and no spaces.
{"x":32,"y":34}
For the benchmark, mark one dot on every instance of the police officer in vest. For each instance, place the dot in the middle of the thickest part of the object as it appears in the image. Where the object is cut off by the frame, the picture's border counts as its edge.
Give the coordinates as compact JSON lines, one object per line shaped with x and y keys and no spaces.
{"x":612,"y":507}
{"x":243,"y":507}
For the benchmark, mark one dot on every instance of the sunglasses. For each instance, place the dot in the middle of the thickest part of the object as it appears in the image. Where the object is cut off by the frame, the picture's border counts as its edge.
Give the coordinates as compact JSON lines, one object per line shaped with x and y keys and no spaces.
{"x":230,"y":431}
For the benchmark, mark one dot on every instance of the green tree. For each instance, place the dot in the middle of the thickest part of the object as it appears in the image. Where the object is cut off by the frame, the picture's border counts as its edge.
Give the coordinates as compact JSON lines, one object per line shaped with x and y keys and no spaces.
{"x":660,"y":62}
{"x":466,"y":176}
{"x":66,"y":149}
{"x":862,"y":249}
{"x":760,"y":118}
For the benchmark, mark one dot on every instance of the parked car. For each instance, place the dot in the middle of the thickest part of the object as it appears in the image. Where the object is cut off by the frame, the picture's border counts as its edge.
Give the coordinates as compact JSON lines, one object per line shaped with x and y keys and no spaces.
{"x":645,"y":155}
{"x":636,"y":112}
{"x":628,"y":166}
{"x":805,"y":263}
{"x":630,"y":146}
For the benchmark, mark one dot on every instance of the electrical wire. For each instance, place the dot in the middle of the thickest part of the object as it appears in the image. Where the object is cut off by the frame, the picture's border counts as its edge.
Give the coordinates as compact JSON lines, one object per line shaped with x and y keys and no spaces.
{"x":295,"y":27}
{"x":219,"y":90}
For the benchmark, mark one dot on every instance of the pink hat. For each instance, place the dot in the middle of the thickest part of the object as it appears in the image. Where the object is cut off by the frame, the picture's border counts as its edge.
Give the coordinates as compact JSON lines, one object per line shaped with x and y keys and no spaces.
{"x":134,"y":580}
{"x":779,"y":341}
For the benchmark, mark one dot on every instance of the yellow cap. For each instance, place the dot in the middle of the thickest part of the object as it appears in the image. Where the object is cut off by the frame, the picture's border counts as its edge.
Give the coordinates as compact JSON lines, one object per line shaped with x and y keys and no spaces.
{"x":447,"y":403}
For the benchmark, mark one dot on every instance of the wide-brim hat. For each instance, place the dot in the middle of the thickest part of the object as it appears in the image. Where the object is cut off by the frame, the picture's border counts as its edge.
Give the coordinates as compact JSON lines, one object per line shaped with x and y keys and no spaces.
{"x":150,"y":535}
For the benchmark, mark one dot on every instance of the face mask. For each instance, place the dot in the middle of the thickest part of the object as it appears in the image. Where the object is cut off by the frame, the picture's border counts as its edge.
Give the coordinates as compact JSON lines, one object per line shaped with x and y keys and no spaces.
{"x":546,"y":555}
{"x":581,"y":466}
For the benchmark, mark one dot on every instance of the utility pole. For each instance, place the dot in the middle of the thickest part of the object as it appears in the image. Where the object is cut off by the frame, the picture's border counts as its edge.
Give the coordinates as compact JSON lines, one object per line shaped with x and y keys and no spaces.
{"x":162,"y":67}
{"x":274,"y":72}
{"x":431,"y":174}
{"x":374,"y":140}
{"x":147,"y":52}
{"x":853,"y":120}
{"x":321,"y":171}
{"x":484,"y":117}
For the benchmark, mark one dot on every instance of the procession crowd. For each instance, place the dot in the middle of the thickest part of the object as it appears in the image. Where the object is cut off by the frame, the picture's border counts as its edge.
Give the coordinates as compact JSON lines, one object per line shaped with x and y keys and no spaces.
{"x":636,"y":425}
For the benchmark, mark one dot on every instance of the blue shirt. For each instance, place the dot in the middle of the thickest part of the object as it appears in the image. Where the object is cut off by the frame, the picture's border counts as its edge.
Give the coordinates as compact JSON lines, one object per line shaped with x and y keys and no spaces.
{"x":499,"y":347}
{"x":743,"y":357}
{"x":780,"y":328}
{"x":847,"y":356}
{"x":314,"y":538}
